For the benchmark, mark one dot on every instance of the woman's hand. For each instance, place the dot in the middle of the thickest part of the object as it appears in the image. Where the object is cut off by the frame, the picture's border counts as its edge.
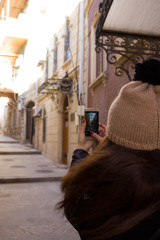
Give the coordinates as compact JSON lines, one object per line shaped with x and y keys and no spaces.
{"x":102,"y":133}
{"x":83,"y":142}
{"x":86,"y":143}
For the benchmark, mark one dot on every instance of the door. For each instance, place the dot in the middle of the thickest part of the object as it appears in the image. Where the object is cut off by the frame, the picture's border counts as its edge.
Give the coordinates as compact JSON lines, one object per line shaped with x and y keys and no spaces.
{"x":65,"y":132}
{"x":30,"y":123}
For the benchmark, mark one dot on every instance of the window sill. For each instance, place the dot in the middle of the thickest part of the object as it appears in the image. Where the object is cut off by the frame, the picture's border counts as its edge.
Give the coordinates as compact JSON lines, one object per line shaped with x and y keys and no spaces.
{"x":100,"y":79}
{"x":66,"y":64}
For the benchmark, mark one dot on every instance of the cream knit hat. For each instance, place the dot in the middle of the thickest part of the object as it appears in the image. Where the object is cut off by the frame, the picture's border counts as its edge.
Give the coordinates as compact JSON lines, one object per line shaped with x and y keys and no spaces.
{"x":134,"y":116}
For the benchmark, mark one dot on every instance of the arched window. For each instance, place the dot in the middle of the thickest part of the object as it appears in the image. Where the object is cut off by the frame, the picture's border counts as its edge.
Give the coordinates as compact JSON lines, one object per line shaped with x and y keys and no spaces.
{"x":44,"y":126}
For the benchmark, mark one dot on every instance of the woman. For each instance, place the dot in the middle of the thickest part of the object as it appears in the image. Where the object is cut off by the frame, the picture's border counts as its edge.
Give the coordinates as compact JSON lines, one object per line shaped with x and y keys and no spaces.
{"x":114,"y":193}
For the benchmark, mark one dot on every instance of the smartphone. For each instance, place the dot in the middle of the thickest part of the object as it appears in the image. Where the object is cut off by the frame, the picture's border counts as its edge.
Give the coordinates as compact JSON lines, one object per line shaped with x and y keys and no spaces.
{"x":92,"y":120}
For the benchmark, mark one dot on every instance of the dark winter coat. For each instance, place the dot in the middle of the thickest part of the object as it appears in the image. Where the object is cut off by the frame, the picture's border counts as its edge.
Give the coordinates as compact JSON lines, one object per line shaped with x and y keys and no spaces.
{"x":146,"y":229}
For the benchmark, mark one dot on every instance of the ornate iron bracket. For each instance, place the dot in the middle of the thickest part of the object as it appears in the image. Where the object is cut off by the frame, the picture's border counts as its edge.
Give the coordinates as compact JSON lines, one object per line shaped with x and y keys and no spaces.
{"x":124,"y":50}
{"x":133,"y":49}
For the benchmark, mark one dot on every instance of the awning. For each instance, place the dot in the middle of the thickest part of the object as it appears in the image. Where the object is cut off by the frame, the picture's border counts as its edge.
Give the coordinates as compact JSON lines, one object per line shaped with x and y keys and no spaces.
{"x":129,"y":29}
{"x":9,"y":93}
{"x":11,"y":48}
{"x":15,"y":7}
{"x":13,"y":37}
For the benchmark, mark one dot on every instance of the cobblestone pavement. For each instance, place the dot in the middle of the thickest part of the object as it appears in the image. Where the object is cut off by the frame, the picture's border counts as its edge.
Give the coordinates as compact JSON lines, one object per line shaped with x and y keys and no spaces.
{"x":28,"y":212}
{"x":21,"y":163}
{"x":29,"y":191}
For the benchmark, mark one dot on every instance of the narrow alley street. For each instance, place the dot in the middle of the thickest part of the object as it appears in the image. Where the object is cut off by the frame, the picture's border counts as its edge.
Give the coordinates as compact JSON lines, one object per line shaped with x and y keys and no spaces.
{"x":70,"y":70}
{"x":29,"y":191}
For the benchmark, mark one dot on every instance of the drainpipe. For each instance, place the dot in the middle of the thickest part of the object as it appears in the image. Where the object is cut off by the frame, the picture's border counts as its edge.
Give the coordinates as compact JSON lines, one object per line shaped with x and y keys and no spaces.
{"x":80,"y":111}
{"x":81,"y":67}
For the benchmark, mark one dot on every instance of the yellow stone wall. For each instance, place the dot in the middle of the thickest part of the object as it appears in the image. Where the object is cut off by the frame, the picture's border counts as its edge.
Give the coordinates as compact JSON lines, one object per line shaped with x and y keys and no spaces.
{"x":52,"y":147}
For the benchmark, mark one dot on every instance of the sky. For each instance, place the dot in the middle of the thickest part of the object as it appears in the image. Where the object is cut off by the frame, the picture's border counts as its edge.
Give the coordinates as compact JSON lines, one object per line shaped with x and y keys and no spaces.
{"x":59,"y":10}
{"x":41,"y":29}
{"x":55,"y":9}
{"x":56,"y":13}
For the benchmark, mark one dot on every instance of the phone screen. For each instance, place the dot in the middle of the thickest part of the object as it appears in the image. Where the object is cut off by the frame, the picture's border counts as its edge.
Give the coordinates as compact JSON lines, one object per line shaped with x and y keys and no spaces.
{"x":92,"y":122}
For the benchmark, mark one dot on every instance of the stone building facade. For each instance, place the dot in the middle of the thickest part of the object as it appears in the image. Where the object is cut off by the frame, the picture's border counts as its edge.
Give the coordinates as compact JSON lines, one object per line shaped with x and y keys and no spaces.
{"x":48,"y":118}
{"x":48,"y":115}
{"x":103,"y":84}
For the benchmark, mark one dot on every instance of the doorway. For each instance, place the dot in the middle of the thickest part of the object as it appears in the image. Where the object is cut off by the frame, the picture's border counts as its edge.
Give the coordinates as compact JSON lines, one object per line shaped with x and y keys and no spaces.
{"x":29,"y":123}
{"x":65,"y":131}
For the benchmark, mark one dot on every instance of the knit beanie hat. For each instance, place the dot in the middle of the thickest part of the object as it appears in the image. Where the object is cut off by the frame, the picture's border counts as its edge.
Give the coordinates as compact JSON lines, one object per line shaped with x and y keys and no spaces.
{"x":134,"y":116}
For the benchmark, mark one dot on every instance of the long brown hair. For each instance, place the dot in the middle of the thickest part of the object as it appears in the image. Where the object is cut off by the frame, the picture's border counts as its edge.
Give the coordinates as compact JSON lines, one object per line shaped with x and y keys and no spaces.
{"x":124,"y":185}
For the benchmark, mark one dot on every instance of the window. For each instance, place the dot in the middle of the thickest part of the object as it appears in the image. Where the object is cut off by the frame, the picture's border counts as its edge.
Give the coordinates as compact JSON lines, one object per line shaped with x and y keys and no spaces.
{"x":98,"y":60}
{"x":44,"y":126}
{"x":99,"y":63}
{"x":67,"y":42}
{"x":46,"y":75}
{"x":55,"y":56}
